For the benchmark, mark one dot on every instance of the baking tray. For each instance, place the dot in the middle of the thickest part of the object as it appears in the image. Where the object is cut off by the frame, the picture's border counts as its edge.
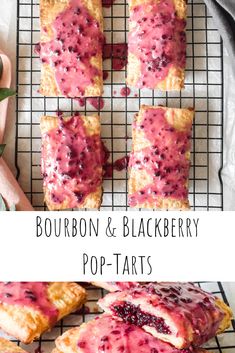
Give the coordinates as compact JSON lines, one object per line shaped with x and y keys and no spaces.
{"x":224,"y":343}
{"x":204,"y":91}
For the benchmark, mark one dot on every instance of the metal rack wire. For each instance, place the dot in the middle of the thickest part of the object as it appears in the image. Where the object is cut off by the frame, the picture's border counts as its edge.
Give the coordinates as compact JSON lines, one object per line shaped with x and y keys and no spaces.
{"x":204,"y":91}
{"x":224,"y":343}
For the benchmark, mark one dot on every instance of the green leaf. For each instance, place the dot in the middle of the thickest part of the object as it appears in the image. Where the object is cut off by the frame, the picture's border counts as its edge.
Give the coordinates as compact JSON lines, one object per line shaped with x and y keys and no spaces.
{"x":2,"y":147}
{"x":12,"y":208}
{"x":6,"y":92}
{"x":2,"y":204}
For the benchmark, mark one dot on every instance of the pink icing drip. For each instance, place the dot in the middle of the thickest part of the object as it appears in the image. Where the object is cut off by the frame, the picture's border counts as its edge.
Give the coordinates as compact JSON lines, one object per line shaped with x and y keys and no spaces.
{"x":118,"y":53}
{"x":158,"y":40}
{"x":164,"y":161}
{"x":105,"y":334}
{"x":96,"y":102}
{"x":77,"y":40}
{"x":105,"y":75}
{"x":107,"y":3}
{"x":71,"y":162}
{"x":125,"y":91}
{"x":118,"y":165}
{"x":29,"y":294}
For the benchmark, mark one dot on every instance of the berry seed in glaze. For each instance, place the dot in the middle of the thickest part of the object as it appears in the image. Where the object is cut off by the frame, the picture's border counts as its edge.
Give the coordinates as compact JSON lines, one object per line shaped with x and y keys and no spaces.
{"x":179,"y":313}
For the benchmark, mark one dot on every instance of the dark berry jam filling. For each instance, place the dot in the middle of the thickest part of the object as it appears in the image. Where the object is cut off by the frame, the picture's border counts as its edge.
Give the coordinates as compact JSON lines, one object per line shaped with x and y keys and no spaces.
{"x":134,"y":315}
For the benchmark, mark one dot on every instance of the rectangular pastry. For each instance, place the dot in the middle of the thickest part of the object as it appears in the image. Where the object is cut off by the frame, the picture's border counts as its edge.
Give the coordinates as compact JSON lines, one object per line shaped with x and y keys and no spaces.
{"x":157,"y":44}
{"x":178,"y":313}
{"x":106,"y":334}
{"x":71,"y":162}
{"x":27,"y":309}
{"x":70,"y":48}
{"x":160,"y":159}
{"x":9,"y":347}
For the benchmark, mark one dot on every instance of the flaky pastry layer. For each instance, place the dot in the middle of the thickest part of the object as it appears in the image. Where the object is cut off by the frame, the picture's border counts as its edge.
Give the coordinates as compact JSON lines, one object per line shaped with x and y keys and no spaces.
{"x":27,"y":323}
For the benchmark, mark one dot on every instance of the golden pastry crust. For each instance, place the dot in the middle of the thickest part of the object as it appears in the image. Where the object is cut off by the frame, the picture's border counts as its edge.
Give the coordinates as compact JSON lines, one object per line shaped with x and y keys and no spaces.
{"x":92,"y":127}
{"x":9,"y":347}
{"x":174,"y":81}
{"x":49,"y":10}
{"x":181,"y":120}
{"x":228,"y":315}
{"x":27,"y":323}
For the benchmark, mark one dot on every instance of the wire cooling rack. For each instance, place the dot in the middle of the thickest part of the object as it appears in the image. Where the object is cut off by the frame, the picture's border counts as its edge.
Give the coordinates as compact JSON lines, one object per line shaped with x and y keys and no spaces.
{"x":224,"y":343}
{"x":204,"y":91}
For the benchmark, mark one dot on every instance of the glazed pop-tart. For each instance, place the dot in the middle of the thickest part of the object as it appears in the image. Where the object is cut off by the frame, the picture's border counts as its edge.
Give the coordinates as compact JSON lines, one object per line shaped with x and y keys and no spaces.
{"x":157,"y":44}
{"x":70,"y":48}
{"x":27,"y":309}
{"x":178,"y":313}
{"x":107,"y":334}
{"x":71,"y":162}
{"x":160,"y":158}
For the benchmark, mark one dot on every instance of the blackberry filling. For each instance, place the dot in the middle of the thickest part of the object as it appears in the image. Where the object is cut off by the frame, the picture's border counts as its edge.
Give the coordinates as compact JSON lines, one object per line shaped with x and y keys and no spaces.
{"x":134,"y":315}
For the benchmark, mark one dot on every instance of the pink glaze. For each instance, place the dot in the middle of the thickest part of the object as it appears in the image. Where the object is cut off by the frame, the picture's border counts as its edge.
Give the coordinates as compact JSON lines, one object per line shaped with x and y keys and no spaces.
{"x":117,"y":53}
{"x":77,"y":40}
{"x":105,"y":75}
{"x":38,"y":350}
{"x":118,"y":165}
{"x":81,"y":101}
{"x":107,"y":3}
{"x":164,"y":160}
{"x":96,"y":102}
{"x":29,"y":294}
{"x":105,"y":334}
{"x":122,"y":285}
{"x":71,"y":162}
{"x":157,"y":39}
{"x":125,"y":91}
{"x":188,"y":306}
